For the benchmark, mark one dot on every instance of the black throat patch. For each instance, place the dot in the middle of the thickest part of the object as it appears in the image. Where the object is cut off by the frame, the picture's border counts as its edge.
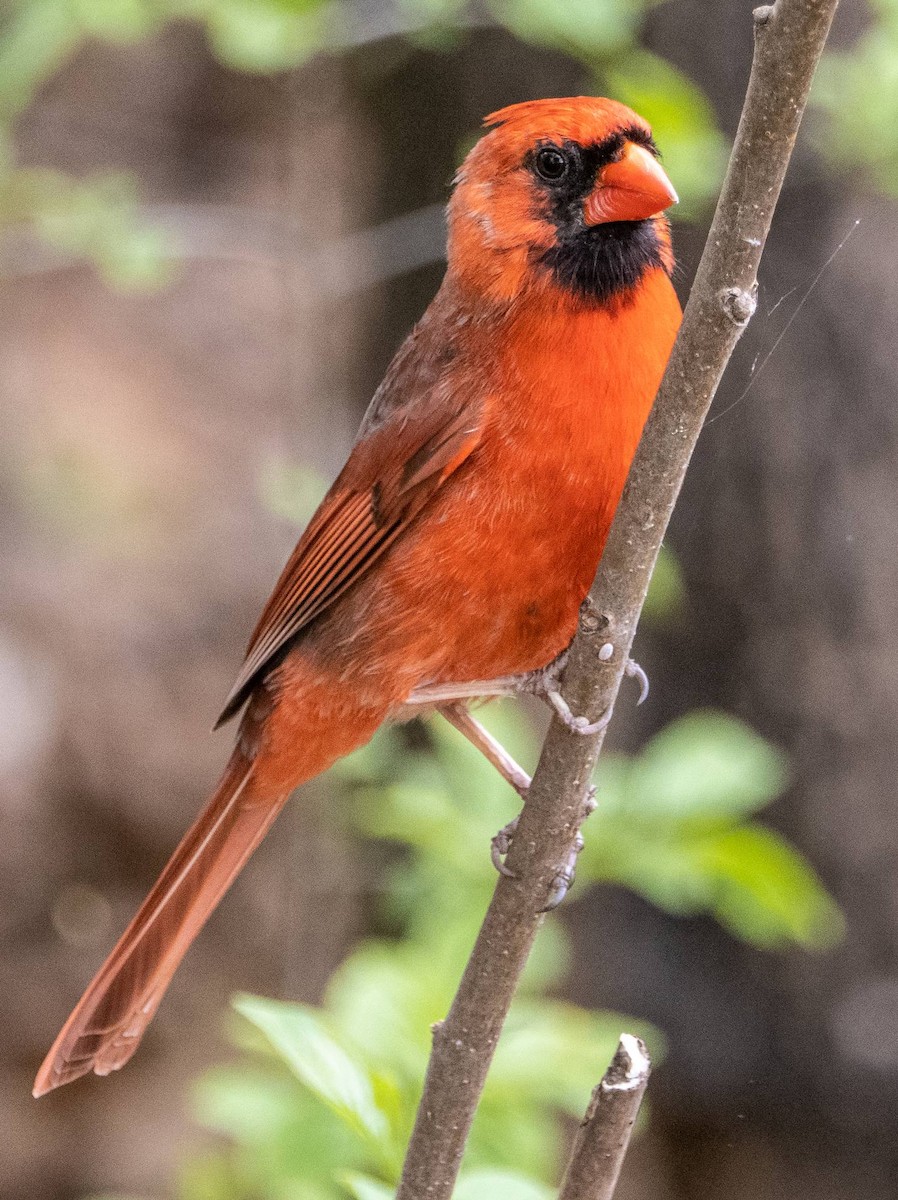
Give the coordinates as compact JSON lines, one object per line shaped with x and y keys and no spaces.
{"x":606,"y":261}
{"x":596,"y":262}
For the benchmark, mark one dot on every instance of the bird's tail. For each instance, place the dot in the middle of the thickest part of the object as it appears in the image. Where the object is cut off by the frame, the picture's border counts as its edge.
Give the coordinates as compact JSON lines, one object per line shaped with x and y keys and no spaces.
{"x":109,"y":1020}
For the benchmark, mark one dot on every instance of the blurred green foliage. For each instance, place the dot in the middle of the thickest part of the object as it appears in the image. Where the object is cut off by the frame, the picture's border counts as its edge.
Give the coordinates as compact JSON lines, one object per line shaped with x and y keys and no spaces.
{"x":858,"y":90}
{"x":291,"y":491}
{"x":96,"y":218}
{"x":321,"y":1100}
{"x":667,"y":592}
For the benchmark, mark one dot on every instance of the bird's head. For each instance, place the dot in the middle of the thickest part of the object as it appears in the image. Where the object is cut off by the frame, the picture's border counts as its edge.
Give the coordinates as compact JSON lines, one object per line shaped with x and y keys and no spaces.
{"x":561,"y":194}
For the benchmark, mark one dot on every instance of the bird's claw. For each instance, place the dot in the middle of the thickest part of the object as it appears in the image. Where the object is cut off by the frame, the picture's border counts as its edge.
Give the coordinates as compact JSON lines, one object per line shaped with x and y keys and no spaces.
{"x":575,"y":724}
{"x":499,"y":847}
{"x":635,"y":671}
{"x":564,"y":877}
{"x":545,"y":684}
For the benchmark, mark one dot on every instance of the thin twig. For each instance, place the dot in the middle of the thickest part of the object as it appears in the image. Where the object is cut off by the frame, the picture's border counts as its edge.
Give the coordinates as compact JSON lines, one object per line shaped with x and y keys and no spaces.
{"x":789,"y":38}
{"x":604,"y":1134}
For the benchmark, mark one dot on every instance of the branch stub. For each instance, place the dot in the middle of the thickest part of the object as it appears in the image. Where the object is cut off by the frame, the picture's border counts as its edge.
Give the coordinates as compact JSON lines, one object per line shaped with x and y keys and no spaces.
{"x":738,"y":305}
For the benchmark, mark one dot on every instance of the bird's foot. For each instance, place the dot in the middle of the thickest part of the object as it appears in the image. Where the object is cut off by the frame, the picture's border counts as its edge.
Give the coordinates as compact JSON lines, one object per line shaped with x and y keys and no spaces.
{"x":575,"y":724}
{"x":544,"y":684}
{"x":634,"y":671}
{"x":500,"y":845}
{"x":564,"y":877}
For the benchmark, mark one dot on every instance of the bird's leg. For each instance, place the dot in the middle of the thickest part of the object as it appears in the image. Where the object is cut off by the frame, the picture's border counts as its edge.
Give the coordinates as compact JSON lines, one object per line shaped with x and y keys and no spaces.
{"x":544,"y":684}
{"x":477,"y":689}
{"x":494,"y":752}
{"x":451,"y":701}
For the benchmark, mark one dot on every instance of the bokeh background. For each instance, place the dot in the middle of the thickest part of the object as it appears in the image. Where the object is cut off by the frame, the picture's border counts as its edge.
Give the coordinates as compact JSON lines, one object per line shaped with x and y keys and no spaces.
{"x":218,"y":218}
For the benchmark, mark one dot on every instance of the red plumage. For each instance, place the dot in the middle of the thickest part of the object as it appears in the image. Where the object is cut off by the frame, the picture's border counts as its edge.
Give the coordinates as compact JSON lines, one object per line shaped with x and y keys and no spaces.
{"x":465,"y":529}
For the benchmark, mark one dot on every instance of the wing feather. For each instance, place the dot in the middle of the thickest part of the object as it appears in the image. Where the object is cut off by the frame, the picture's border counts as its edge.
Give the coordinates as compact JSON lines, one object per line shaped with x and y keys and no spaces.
{"x":391,"y":475}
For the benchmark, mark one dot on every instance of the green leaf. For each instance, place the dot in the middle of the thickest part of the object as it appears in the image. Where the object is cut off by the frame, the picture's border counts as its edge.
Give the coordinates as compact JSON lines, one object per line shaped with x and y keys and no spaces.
{"x":281,"y":1131}
{"x":36,"y":40}
{"x":384,"y":999}
{"x":683,"y":124}
{"x":657,"y":863}
{"x":555,"y":1053}
{"x":494,"y":1184}
{"x":580,"y":27}
{"x":516,"y":1135}
{"x":264,"y":35}
{"x":666,"y":597}
{"x":117,"y":20}
{"x":95,"y":218}
{"x":363,"y":1187}
{"x":246,"y":1104}
{"x":206,"y":1176}
{"x":137,"y":258}
{"x":435,"y":11}
{"x":704,"y":766}
{"x":858,"y":90}
{"x":768,"y":894}
{"x":300,"y":1036}
{"x":667,"y":826}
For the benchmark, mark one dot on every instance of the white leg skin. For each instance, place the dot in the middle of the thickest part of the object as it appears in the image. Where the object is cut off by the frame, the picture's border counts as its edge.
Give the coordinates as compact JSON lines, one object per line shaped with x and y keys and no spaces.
{"x":493,"y":751}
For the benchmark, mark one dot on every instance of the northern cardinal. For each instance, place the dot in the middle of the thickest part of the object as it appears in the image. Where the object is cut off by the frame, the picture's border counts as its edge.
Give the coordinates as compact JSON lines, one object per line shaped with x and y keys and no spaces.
{"x":450,"y":557}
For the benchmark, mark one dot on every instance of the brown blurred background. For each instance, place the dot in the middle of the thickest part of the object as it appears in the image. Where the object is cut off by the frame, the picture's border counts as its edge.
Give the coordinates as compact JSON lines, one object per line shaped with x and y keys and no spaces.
{"x":146,"y":438}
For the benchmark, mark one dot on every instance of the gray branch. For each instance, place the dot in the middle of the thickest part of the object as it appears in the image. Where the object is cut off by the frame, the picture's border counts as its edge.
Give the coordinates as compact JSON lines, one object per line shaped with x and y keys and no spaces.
{"x":604,"y":1134}
{"x":789,"y":39}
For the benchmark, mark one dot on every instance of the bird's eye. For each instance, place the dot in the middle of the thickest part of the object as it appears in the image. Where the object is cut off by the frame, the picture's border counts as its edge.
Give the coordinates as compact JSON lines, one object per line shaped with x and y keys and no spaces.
{"x":551,"y":164}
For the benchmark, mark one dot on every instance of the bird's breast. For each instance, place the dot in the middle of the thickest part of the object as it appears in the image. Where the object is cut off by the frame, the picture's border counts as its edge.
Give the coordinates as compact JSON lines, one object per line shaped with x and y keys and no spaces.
{"x":488,"y":581}
{"x":510,"y":547}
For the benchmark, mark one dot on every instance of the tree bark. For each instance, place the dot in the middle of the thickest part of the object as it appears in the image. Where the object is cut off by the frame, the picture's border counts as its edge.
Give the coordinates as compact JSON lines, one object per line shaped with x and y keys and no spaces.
{"x":604,"y":1134}
{"x":789,"y":40}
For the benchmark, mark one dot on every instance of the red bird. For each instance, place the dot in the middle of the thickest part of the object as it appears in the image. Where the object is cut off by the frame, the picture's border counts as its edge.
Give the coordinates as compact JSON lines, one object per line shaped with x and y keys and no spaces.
{"x":450,"y":557}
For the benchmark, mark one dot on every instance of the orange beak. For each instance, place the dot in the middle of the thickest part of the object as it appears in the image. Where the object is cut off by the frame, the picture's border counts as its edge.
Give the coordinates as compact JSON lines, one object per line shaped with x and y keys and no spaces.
{"x":631,"y":189}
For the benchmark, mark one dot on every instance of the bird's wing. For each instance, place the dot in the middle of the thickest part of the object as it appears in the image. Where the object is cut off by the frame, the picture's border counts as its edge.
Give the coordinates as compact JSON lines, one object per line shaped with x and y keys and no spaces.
{"x":391,"y":474}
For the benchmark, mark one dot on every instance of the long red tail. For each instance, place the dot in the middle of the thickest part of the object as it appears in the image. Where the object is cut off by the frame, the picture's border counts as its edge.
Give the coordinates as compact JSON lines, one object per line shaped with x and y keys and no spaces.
{"x":110,"y":1018}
